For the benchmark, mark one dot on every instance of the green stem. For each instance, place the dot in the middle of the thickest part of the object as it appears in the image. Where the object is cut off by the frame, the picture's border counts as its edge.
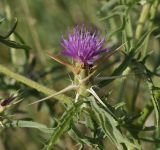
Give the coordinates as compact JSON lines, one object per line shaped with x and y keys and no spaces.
{"x":145,"y":113}
{"x":128,"y":30}
{"x":85,"y":85}
{"x":128,"y":33}
{"x":33,"y":84}
{"x":18,"y":57}
{"x":153,"y":12}
{"x":135,"y":94}
{"x":33,"y":31}
{"x":142,"y":20}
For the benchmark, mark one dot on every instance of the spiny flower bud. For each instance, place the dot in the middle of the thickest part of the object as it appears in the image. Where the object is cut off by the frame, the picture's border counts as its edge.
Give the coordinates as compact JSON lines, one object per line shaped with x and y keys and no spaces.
{"x":6,"y":102}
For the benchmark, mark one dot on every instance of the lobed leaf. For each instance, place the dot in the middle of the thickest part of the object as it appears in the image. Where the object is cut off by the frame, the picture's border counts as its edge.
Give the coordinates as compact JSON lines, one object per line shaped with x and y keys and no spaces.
{"x":64,"y":123}
{"x":110,"y":127}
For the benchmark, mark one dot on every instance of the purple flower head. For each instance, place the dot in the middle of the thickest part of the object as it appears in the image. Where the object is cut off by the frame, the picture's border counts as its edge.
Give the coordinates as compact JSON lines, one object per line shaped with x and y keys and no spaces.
{"x":83,"y":45}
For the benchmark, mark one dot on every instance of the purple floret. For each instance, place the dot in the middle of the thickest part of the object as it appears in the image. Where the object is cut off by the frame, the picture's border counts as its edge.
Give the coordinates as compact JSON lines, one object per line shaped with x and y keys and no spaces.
{"x":83,"y":45}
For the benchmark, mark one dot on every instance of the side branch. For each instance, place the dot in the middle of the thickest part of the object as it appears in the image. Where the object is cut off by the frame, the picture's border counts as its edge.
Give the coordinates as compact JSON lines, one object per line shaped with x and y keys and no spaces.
{"x":61,"y":97}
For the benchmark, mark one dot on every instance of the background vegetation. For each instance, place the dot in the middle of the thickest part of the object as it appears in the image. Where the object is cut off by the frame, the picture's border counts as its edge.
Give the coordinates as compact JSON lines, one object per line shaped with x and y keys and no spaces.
{"x":132,"y":91}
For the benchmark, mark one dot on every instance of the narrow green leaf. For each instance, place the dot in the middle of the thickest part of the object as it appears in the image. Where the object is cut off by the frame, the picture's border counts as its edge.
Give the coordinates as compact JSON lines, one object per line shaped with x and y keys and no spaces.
{"x":27,"y":124}
{"x":119,"y":69}
{"x":120,"y":29}
{"x":117,"y":13}
{"x":140,"y":42}
{"x":13,"y":44}
{"x":10,"y":31}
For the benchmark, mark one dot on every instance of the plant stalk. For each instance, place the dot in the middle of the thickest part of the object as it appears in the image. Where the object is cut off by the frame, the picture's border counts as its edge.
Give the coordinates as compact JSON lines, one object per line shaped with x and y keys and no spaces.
{"x":34,"y":85}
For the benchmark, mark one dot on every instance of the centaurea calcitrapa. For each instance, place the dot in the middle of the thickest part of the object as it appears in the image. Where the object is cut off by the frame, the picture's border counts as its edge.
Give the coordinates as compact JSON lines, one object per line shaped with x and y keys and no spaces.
{"x":84,"y":46}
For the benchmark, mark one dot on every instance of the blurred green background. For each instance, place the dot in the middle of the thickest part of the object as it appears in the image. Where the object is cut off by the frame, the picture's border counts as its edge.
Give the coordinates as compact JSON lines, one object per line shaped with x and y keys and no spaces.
{"x":41,"y":24}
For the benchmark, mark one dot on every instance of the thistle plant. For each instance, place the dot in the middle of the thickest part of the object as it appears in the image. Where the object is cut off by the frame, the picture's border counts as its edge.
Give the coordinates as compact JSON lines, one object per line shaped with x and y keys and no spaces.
{"x":100,"y":92}
{"x":84,"y":47}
